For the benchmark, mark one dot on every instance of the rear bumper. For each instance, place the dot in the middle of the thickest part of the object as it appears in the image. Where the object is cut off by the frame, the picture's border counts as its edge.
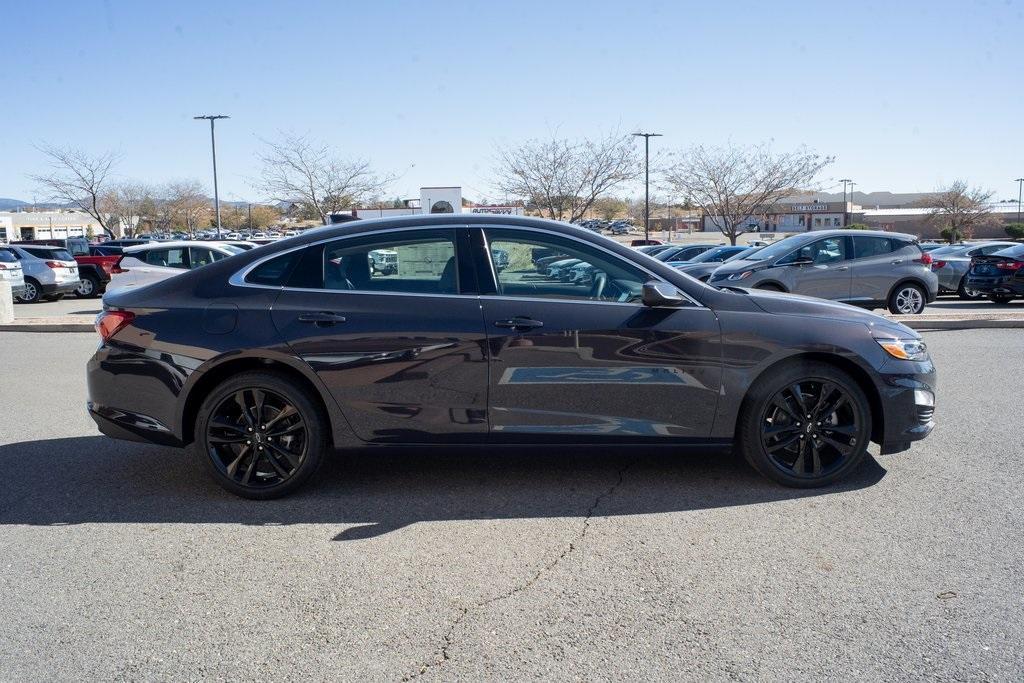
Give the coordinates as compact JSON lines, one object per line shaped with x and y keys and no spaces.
{"x":996,"y":284}
{"x":122,"y":424}
{"x":61,"y":288}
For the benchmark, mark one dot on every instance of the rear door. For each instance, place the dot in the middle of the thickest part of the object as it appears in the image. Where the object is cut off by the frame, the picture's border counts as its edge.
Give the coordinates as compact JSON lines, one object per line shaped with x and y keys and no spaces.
{"x":587,"y":361}
{"x":402,"y":352}
{"x":877,"y":264}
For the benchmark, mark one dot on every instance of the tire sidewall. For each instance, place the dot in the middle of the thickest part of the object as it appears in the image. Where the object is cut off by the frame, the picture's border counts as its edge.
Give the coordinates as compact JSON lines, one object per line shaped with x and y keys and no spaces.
{"x":749,"y":429}
{"x":35,"y":289}
{"x":92,"y":291}
{"x":895,"y":293}
{"x":310,"y":410}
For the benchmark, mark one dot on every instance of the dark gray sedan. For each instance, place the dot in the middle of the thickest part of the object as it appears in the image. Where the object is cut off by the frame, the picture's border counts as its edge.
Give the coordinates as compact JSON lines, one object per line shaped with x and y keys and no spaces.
{"x":951,"y":263}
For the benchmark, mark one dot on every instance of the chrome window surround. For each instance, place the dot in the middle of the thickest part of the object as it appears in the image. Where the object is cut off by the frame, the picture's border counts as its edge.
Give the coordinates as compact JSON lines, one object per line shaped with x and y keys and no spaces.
{"x":238,"y":278}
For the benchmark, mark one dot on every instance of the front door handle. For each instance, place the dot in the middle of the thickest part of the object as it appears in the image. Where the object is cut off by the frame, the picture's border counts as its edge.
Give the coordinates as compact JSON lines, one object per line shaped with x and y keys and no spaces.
{"x":895,"y":261}
{"x":843,"y":268}
{"x":322,"y":319}
{"x":519,"y":323}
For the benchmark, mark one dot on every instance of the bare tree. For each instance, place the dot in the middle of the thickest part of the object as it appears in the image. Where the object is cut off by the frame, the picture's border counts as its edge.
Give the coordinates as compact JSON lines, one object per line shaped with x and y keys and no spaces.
{"x":297,"y":169}
{"x":78,"y":179}
{"x":733,"y":185}
{"x":187,"y":205}
{"x":125,"y":205}
{"x":563,"y":178}
{"x":958,"y":210}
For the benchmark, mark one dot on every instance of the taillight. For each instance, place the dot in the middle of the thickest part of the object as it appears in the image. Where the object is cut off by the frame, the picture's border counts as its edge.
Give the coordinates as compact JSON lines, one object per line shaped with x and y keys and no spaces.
{"x":1010,"y":265}
{"x":938,"y":264}
{"x":109,"y":322}
{"x":54,"y":264}
{"x":926,"y":258}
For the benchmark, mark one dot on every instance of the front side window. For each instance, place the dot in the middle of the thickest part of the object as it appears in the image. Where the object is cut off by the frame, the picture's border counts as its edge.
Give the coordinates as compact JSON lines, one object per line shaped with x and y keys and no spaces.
{"x":547,"y":266}
{"x":419,"y":262}
{"x":829,"y":250}
{"x":866,"y":247}
{"x":175,"y":257}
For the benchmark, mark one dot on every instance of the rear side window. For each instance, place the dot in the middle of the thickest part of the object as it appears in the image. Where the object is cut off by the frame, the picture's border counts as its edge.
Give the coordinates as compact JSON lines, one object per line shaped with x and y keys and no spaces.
{"x":275,"y":272}
{"x":866,"y":247}
{"x":51,"y":254}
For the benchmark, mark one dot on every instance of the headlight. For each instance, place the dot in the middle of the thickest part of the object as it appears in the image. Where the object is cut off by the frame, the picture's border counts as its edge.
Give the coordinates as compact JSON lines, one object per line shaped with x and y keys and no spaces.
{"x":740,"y":276}
{"x":905,"y":349}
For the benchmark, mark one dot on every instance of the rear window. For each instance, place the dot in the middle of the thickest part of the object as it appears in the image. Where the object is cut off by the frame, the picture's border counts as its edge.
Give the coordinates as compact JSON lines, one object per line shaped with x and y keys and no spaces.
{"x":1013,"y":252}
{"x":50,"y":254}
{"x":7,"y":256}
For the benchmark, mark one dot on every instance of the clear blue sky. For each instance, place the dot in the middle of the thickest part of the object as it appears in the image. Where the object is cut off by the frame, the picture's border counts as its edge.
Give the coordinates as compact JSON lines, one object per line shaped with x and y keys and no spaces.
{"x":906,"y":95}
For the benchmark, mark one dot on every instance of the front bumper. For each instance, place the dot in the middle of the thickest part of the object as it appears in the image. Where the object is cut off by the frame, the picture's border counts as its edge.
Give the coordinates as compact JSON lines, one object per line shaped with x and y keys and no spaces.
{"x":907,"y":394}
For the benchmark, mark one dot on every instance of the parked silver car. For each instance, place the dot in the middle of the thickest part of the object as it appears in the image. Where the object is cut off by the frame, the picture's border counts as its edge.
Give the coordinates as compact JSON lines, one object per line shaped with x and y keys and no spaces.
{"x":50,"y":272}
{"x":867,"y":268}
{"x":11,"y":272}
{"x":951,"y":263}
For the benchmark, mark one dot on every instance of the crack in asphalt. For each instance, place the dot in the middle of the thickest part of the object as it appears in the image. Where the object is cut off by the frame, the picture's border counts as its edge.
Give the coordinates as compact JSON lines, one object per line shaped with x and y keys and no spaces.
{"x":447,"y":640}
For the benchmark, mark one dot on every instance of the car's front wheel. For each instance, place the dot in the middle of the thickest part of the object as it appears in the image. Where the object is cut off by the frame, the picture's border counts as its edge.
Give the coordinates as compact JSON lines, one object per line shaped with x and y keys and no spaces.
{"x":805,"y":425}
{"x":907,"y":299}
{"x":1000,"y":299}
{"x":261,"y":435}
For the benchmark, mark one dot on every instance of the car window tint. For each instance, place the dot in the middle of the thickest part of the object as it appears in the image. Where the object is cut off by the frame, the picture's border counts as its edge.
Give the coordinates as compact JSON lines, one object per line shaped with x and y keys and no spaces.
{"x":579,"y":272}
{"x":7,"y":256}
{"x":991,"y":249}
{"x":166,"y":258}
{"x":200,"y":256}
{"x":866,"y":247}
{"x":274,"y":273}
{"x":421,"y":262}
{"x":828,"y":250}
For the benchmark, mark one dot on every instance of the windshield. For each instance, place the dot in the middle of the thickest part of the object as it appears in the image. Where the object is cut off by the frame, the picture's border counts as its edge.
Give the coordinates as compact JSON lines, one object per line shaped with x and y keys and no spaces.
{"x":948,"y":249}
{"x":746,"y":253}
{"x":715,"y":254}
{"x":232,"y":248}
{"x":778,"y":249}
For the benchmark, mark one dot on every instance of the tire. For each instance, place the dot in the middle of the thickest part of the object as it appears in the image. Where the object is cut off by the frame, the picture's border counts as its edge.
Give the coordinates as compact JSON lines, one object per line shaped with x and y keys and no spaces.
{"x":907,"y":299}
{"x":831,"y":446}
{"x":1000,"y":299}
{"x":224,"y":435}
{"x":30,"y":294}
{"x":965,"y":293}
{"x":88,"y":287}
{"x":769,"y":287}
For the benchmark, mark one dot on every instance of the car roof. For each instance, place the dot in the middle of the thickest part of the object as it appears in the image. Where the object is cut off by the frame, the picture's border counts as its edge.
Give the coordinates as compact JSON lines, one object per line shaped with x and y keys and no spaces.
{"x":172,"y":244}
{"x":854,"y":233}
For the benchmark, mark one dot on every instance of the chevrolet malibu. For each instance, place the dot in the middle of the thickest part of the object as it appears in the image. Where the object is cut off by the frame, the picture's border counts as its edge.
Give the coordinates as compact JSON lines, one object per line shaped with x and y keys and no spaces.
{"x":265,"y":361}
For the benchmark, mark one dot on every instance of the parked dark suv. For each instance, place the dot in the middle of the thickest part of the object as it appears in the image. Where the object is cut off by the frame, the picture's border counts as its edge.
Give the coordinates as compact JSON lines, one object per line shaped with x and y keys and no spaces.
{"x":867,"y":268}
{"x":265,"y":360}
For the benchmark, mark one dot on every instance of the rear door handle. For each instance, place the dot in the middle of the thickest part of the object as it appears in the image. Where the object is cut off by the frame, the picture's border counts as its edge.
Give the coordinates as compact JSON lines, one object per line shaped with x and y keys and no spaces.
{"x":843,"y":268}
{"x":895,"y":261}
{"x":519,"y":323}
{"x":322,"y":319}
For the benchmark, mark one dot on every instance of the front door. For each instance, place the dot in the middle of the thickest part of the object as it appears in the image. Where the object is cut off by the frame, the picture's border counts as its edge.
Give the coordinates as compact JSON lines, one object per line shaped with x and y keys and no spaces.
{"x":403,"y":350}
{"x":819,"y":269}
{"x":584,"y":360}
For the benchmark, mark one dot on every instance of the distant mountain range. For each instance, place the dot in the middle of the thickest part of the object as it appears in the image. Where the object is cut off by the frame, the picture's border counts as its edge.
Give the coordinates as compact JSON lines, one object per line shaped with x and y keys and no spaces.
{"x":6,"y":204}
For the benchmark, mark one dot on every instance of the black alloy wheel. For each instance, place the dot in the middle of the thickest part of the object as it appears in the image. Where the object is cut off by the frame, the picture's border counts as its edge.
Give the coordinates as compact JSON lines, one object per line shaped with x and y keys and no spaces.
{"x":805,"y":425}
{"x":261,"y":435}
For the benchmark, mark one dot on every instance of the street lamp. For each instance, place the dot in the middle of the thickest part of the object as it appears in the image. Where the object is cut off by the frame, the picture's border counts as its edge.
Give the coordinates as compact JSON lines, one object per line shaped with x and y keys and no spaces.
{"x":213,"y":145}
{"x":647,"y":180}
{"x":1020,"y":186}
{"x":844,"y":181}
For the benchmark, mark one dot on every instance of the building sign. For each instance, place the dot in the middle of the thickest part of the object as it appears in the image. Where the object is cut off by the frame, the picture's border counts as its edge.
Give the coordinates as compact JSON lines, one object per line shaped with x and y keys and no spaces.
{"x":504,"y":210}
{"x":810,"y":207}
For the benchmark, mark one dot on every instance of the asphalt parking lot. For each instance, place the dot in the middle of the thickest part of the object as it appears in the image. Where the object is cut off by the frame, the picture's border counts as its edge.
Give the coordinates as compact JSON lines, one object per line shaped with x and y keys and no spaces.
{"x":123,"y":561}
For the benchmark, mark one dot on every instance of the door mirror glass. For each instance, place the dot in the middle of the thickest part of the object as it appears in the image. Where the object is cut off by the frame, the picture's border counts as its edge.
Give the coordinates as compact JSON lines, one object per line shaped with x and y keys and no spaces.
{"x":661,"y":294}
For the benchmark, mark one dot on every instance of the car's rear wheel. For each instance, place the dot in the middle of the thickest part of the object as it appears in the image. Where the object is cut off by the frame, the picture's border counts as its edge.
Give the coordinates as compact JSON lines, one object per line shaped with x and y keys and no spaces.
{"x":965,"y":292}
{"x":1000,"y":299}
{"x":907,"y":299}
{"x":805,"y":425}
{"x":260,"y":435}
{"x":30,"y":294}
{"x":88,"y":287}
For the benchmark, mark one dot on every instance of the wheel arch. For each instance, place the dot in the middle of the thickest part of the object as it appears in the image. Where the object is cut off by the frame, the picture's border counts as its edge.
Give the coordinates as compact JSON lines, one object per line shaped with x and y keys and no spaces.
{"x":908,"y":280}
{"x":209,"y":378}
{"x":857,"y":372}
{"x":772,"y":284}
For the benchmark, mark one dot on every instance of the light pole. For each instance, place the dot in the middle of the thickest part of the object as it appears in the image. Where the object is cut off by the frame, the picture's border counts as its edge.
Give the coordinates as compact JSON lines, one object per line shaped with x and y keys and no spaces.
{"x":213,"y":145}
{"x":647,"y":180}
{"x":1020,"y":187}
{"x":844,"y":181}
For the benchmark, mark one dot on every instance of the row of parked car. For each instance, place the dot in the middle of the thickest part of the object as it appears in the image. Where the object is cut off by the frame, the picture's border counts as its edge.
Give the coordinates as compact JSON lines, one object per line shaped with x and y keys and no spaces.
{"x":872,"y":269}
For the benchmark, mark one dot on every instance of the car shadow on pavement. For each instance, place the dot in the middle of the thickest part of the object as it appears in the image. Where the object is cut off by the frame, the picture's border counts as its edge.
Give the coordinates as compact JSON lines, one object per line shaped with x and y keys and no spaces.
{"x":374,"y":491}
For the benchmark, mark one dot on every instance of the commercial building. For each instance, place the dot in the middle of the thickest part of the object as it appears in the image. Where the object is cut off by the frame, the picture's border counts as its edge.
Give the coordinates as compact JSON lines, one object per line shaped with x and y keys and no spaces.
{"x":438,"y":199}
{"x":47,"y":224}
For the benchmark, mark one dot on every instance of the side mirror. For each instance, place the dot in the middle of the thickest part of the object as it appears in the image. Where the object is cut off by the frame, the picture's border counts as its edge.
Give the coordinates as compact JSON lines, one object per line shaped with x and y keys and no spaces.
{"x":661,"y":294}
{"x":802,"y":261}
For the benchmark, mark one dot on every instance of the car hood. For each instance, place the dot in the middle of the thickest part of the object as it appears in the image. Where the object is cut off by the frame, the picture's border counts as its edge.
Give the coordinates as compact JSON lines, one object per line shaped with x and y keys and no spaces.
{"x":778,"y":303}
{"x":740,"y":266}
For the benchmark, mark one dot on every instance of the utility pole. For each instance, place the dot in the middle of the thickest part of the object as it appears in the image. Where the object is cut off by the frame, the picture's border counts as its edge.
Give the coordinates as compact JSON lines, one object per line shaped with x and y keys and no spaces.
{"x":647,"y":180}
{"x":250,"y":217}
{"x":1020,"y":187}
{"x":213,"y":145}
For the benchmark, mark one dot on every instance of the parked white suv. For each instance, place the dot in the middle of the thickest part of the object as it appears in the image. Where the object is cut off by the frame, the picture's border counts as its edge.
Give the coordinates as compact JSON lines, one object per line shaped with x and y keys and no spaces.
{"x":49,"y":272}
{"x":148,"y":263}
{"x":10,"y":271}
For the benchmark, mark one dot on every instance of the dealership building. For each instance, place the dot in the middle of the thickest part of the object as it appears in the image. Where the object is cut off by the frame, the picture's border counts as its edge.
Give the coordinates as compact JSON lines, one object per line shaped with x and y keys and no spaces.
{"x":438,"y":199}
{"x":48,"y":224}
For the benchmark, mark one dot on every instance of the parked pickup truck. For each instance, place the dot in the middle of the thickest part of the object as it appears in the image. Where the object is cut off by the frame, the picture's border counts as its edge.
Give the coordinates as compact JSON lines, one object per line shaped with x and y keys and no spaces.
{"x":95,"y":263}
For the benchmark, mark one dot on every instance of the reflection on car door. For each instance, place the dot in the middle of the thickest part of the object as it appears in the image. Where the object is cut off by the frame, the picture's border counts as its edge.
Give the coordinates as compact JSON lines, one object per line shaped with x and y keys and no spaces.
{"x":876,"y":266}
{"x":402,"y":352}
{"x":581,"y":361}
